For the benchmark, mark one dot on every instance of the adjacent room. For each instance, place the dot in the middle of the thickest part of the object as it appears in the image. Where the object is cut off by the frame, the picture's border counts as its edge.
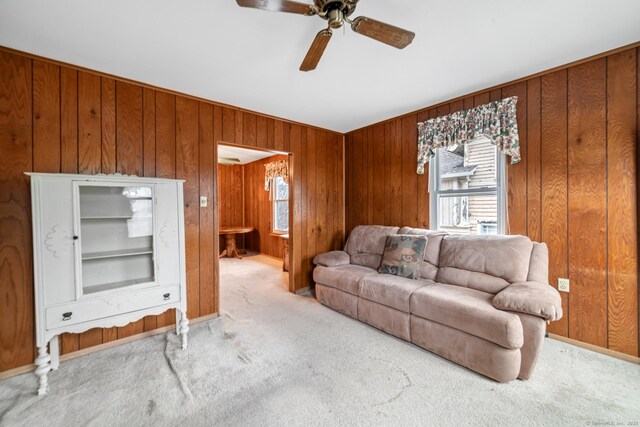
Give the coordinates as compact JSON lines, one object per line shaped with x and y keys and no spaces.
{"x":322,"y":212}
{"x":253,"y":214}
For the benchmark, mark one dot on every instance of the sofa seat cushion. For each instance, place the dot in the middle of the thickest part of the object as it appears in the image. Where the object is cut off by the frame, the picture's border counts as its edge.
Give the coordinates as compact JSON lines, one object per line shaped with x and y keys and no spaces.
{"x":344,"y":277}
{"x":392,"y":291}
{"x":468,"y":310}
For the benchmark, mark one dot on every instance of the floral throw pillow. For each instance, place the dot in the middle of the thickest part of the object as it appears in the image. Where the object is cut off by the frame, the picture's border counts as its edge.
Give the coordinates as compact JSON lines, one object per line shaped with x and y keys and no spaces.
{"x":403,"y":255}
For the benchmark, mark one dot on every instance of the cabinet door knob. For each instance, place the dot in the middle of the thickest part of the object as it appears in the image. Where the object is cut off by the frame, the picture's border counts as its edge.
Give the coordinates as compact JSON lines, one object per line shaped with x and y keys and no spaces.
{"x":75,"y":237}
{"x":67,"y":315}
{"x":166,"y":297}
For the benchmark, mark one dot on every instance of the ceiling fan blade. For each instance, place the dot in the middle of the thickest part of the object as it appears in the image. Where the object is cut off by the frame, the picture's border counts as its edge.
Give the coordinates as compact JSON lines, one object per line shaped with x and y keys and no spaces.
{"x":385,"y":33}
{"x":316,"y":50}
{"x":279,"y":6}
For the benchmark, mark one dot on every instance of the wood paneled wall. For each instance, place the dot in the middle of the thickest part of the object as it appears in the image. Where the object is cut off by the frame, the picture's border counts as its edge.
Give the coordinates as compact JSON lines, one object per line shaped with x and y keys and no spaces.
{"x":57,"y":118}
{"x":257,"y":209}
{"x":230,"y":199}
{"x":576,"y":188}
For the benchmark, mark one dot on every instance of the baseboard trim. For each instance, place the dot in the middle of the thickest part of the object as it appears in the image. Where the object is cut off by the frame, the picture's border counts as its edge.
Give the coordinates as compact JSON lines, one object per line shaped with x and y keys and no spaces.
{"x":85,"y":351}
{"x":601,"y":350}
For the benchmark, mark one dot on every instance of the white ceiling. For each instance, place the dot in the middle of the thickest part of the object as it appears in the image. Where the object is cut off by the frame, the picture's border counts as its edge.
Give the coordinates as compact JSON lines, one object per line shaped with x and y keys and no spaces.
{"x":243,"y":155}
{"x":250,"y":58}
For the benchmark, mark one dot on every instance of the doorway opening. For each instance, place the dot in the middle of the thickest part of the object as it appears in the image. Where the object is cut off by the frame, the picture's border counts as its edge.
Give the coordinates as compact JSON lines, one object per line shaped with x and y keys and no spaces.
{"x":254,"y":202}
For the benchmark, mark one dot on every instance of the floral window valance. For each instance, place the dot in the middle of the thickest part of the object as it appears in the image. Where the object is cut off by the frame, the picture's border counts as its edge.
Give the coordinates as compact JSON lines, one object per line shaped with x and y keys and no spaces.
{"x":495,"y":121}
{"x":275,"y":169}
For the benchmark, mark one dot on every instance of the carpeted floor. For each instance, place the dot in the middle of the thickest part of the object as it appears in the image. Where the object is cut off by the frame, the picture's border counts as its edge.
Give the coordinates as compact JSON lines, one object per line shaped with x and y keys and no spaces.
{"x":273,"y":358}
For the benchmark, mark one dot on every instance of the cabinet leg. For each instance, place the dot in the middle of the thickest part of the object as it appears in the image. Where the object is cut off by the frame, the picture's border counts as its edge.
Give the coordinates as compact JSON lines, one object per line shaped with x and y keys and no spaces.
{"x":42,"y":369}
{"x":184,"y":328}
{"x":54,"y":350}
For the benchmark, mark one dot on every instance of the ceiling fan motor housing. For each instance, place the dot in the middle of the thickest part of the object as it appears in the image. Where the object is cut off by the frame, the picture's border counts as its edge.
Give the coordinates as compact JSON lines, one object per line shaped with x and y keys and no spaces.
{"x":335,"y":11}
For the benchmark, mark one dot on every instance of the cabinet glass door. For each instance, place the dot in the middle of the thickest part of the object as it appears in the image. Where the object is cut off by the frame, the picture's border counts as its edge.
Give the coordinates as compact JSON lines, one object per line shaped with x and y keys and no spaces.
{"x":116,"y":235}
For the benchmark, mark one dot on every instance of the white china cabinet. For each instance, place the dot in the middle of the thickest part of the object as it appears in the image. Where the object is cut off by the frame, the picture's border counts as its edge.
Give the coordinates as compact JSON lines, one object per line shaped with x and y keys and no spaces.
{"x":108,"y":250}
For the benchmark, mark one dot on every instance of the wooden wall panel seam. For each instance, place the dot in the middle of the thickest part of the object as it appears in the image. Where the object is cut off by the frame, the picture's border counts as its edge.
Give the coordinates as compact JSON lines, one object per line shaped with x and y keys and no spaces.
{"x":622,"y":265}
{"x":568,"y":258}
{"x":606,"y":198}
{"x":16,"y":157}
{"x":32,"y":112}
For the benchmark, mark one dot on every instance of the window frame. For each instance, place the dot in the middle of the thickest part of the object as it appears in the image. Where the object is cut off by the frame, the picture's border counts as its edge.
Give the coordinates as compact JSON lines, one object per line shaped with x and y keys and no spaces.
{"x":273,"y":199}
{"x":500,"y":191}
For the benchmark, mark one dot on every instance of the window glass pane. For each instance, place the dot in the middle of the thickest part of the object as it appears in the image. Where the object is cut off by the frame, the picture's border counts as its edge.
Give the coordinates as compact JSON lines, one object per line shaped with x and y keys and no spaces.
{"x":281,"y":216}
{"x":482,"y":155}
{"x":282,"y":189}
{"x":472,"y":165}
{"x":475,"y":214}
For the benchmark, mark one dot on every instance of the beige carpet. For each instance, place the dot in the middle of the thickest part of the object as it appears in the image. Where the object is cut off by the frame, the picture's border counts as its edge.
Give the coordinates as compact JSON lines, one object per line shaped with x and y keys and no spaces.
{"x":273,"y":358}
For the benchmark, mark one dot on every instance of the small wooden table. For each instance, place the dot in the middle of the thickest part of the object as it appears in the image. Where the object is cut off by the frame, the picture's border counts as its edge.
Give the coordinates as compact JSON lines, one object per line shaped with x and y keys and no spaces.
{"x":230,"y":240}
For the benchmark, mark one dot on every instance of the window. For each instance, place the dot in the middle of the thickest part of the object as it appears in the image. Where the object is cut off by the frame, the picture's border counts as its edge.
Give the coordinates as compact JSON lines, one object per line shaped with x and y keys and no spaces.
{"x":467,"y":189}
{"x":280,"y":206}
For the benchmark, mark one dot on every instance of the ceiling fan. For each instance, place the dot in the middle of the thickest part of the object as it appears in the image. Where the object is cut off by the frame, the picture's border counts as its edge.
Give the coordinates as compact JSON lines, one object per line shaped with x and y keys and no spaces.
{"x":336,"y":12}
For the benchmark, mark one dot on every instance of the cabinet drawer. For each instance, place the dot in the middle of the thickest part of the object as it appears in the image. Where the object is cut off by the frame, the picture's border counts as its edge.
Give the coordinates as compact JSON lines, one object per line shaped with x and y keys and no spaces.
{"x":101,"y":307}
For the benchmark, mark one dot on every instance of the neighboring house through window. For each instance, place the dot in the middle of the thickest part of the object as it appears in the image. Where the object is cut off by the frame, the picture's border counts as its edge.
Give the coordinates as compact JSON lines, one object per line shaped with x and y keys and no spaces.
{"x":467,"y":189}
{"x":279,"y":206}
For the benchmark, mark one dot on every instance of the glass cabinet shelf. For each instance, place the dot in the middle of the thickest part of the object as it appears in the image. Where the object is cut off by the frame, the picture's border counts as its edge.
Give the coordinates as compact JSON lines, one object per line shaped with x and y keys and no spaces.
{"x":115,"y":285}
{"x":116,"y":226}
{"x":107,"y":217}
{"x":119,"y":253}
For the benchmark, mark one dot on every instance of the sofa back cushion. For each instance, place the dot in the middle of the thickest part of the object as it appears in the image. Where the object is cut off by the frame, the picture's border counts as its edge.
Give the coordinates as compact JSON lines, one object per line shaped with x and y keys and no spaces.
{"x":365,"y":245}
{"x":539,"y":264}
{"x":484,"y":263}
{"x":429,"y":269}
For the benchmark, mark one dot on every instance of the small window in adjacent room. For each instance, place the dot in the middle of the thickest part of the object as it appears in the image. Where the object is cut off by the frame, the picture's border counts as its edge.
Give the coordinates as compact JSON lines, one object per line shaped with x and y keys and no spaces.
{"x":280,"y":206}
{"x":467,"y":189}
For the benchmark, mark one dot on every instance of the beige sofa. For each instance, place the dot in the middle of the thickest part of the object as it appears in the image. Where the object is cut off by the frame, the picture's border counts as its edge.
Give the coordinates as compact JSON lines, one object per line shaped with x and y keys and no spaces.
{"x":481,"y":301}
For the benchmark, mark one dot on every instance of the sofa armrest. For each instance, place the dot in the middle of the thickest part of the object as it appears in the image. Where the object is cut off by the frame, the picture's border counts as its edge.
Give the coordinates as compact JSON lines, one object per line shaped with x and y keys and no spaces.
{"x":538,"y":299}
{"x":332,"y":259}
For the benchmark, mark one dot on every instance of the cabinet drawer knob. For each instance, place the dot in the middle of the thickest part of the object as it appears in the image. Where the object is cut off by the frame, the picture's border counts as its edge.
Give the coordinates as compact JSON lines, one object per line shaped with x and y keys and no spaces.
{"x":166,"y":296}
{"x":67,"y":315}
